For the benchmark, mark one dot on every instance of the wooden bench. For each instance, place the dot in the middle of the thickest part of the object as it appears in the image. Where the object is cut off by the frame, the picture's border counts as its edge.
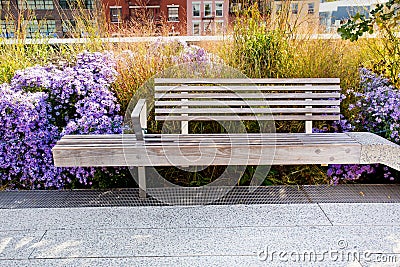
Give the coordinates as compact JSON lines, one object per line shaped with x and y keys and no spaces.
{"x":184,"y":100}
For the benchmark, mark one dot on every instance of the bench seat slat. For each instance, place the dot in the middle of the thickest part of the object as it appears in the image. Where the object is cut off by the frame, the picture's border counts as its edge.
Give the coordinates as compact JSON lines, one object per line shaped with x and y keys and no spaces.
{"x":89,"y":154}
{"x":223,"y":155}
{"x":288,"y":149}
{"x":151,"y":139}
{"x":249,"y":103}
{"x":247,"y":81}
{"x":247,"y":96}
{"x":246,"y":88}
{"x":248,"y":118}
{"x":304,"y":110}
{"x":97,"y":136}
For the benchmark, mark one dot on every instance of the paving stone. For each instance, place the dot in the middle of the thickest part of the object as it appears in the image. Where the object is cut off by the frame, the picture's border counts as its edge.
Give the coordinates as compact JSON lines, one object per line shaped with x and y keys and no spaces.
{"x":168,"y":261}
{"x":163,"y":217}
{"x":19,"y":244}
{"x":332,"y":242}
{"x":362,"y":214}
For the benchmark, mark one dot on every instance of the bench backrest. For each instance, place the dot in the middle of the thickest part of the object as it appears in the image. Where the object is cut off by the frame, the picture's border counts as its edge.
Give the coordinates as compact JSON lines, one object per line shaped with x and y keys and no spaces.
{"x":306,"y":99}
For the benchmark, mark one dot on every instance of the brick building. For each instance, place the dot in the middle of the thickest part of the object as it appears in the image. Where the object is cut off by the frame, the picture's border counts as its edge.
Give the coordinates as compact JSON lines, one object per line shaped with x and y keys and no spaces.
{"x":161,"y":13}
{"x":181,"y":17}
{"x":49,"y":18}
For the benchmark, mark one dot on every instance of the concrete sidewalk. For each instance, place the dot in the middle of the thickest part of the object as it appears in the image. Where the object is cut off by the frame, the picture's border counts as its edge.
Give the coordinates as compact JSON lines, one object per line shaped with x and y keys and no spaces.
{"x":235,"y":235}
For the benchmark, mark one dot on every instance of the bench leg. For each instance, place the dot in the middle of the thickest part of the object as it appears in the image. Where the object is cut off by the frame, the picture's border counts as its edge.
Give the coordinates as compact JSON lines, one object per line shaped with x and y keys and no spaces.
{"x":142,"y":182}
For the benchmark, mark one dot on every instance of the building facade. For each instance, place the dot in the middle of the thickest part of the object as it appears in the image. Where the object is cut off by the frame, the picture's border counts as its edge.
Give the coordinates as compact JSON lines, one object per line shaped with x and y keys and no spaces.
{"x":207,"y":17}
{"x":169,"y":14}
{"x":180,"y":17}
{"x":42,"y":18}
{"x":302,"y":14}
{"x":334,"y":14}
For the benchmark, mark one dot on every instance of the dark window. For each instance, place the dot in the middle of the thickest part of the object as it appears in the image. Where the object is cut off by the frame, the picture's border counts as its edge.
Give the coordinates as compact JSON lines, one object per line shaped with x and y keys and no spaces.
{"x":196,"y":28}
{"x":41,"y":28}
{"x":36,"y":4}
{"x":219,"y":11}
{"x":68,"y":28}
{"x":4,"y":4}
{"x":295,"y":8}
{"x":207,"y":10}
{"x":7,"y":29}
{"x":115,"y":14}
{"x":75,"y":4}
{"x":310,"y":8}
{"x":173,"y":14}
{"x":196,"y":10}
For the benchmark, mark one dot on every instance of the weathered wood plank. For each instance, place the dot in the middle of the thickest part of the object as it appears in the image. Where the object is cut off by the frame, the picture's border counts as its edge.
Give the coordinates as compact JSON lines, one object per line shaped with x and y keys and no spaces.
{"x":302,"y":148}
{"x":212,"y":154}
{"x":238,"y":117}
{"x":247,"y":81}
{"x":217,"y":103}
{"x":246,"y":110}
{"x":264,"y":96}
{"x":97,"y":136}
{"x":238,"y":137}
{"x":246,"y":88}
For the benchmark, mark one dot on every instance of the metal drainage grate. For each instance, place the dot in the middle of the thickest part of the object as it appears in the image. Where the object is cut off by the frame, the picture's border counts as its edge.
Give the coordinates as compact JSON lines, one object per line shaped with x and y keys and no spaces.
{"x":198,"y":196}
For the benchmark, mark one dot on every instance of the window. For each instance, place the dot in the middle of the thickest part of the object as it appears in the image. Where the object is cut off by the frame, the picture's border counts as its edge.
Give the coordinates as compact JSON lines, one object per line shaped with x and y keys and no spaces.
{"x":295,"y":8}
{"x":219,"y":8}
{"x":196,"y":9}
{"x":173,"y":13}
{"x":144,"y":14}
{"x":235,"y":7}
{"x":88,"y":4}
{"x":310,"y":8}
{"x":196,"y":28}
{"x":7,"y":29}
{"x":219,"y":27}
{"x":207,"y":10}
{"x":74,"y":4}
{"x":4,"y":4}
{"x":115,"y":14}
{"x":68,"y":28}
{"x":36,"y":4}
{"x":278,"y":8}
{"x":41,"y":28}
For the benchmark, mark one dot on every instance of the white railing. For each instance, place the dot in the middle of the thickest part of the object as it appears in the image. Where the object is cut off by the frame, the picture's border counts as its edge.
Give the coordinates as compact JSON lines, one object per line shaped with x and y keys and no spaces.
{"x":56,"y":41}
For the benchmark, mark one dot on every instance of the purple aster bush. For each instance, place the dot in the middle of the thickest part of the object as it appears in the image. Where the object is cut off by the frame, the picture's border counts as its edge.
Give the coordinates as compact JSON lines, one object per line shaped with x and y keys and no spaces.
{"x":348,"y":172}
{"x":378,"y":106}
{"x":26,"y":139}
{"x":71,"y":100}
{"x":377,"y":110}
{"x":195,"y":54}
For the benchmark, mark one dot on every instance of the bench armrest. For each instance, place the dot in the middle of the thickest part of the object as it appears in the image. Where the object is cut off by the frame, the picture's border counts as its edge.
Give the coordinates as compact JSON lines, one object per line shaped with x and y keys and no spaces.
{"x":139,"y":118}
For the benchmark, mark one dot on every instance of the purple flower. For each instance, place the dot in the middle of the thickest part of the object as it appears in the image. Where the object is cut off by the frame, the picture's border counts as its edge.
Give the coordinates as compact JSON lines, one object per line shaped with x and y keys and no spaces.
{"x":43,"y":103}
{"x":377,"y":110}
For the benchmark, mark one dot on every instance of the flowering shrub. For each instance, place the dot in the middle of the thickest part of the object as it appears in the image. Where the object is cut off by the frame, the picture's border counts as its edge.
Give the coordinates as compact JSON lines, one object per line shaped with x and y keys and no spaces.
{"x":338,"y":172}
{"x":176,"y":51}
{"x":195,"y":54}
{"x":26,"y":138}
{"x":377,"y":110}
{"x":378,"y":107}
{"x":41,"y":104}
